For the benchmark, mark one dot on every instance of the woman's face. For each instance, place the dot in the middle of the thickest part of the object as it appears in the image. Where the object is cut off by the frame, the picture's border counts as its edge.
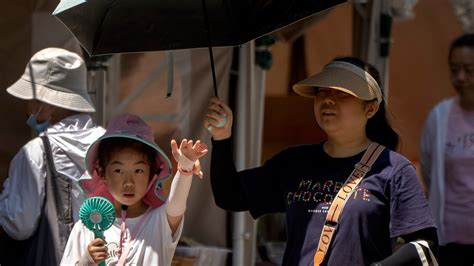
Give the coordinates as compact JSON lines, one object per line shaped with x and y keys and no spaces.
{"x":338,"y":112}
{"x":127,"y":175}
{"x":461,"y":66}
{"x":43,"y":111}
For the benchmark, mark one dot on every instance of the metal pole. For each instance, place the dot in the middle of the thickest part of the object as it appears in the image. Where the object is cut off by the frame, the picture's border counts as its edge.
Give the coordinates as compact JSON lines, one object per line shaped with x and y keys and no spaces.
{"x":241,"y":127}
{"x":247,"y":146}
{"x":97,"y":89}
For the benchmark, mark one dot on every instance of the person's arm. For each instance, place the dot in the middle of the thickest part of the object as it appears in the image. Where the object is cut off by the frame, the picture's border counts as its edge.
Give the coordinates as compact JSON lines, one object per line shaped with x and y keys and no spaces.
{"x":243,"y":190}
{"x":409,"y":255}
{"x":410,"y":218}
{"x":22,"y":197}
{"x":187,"y":154}
{"x":225,"y":181}
{"x":427,"y":141}
{"x":82,"y":249}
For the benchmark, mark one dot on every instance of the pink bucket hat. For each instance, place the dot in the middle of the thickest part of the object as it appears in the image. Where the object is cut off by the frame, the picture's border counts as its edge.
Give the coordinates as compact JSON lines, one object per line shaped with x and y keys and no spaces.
{"x":132,"y":127}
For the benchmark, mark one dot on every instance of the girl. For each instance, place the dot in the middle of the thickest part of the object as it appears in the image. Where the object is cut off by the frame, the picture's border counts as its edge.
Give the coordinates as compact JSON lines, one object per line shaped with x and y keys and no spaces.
{"x":127,"y":167}
{"x":347,"y":199}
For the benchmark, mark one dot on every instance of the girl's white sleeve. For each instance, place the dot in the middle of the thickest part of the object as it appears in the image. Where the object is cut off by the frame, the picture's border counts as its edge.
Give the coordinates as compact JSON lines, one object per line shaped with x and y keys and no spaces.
{"x":75,"y":252}
{"x":170,"y":240}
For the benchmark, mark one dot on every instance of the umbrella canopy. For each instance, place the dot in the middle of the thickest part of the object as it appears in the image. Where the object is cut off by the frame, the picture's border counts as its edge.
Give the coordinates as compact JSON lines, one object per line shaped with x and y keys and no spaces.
{"x":123,"y":26}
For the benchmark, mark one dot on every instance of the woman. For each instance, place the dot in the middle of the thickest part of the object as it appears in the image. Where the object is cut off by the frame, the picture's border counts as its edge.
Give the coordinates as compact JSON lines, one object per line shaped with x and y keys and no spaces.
{"x":447,"y":152}
{"x":309,"y":181}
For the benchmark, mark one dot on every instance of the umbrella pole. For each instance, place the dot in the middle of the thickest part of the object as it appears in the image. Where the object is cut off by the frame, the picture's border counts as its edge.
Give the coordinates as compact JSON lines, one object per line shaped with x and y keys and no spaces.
{"x":211,"y":57}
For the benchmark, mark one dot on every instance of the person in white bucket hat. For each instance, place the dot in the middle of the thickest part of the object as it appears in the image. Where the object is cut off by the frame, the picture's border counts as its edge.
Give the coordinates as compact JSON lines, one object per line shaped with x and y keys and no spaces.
{"x":347,"y":199}
{"x":34,"y":202}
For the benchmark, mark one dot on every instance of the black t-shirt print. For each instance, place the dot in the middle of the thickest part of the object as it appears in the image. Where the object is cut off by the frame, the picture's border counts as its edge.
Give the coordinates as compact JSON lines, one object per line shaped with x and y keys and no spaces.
{"x":302,"y":182}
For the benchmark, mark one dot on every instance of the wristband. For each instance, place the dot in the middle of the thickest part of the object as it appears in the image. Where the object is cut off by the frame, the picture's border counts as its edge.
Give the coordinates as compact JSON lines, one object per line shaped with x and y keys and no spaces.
{"x":184,"y":164}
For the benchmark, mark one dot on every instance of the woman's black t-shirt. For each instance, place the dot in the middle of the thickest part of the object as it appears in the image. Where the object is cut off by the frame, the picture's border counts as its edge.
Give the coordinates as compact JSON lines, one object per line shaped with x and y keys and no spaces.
{"x":301,"y":181}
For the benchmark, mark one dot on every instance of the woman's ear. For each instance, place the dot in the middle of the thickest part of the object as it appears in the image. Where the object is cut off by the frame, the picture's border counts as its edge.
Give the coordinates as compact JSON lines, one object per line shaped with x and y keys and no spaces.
{"x":371,"y":108}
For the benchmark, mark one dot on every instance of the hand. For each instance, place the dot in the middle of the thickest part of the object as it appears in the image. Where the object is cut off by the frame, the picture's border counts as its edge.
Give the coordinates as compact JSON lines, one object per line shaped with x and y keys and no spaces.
{"x":191,"y":152}
{"x":218,"y":113}
{"x":97,"y":250}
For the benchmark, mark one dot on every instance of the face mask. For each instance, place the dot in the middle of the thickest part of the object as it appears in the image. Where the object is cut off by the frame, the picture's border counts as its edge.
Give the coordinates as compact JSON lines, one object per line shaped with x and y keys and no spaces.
{"x":33,"y":123}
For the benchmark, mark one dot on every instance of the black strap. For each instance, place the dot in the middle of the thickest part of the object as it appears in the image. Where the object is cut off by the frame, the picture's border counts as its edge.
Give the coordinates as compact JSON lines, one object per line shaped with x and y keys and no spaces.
{"x":46,"y":245}
{"x":49,"y":154}
{"x":54,"y":176}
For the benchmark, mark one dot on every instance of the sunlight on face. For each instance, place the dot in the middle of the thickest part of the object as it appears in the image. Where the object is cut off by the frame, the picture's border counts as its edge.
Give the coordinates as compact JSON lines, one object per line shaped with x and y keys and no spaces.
{"x":337,"y":111}
{"x":127,"y":175}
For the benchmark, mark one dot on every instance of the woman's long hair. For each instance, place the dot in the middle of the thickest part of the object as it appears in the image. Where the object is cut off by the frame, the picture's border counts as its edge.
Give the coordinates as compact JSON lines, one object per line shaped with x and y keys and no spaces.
{"x":378,"y":127}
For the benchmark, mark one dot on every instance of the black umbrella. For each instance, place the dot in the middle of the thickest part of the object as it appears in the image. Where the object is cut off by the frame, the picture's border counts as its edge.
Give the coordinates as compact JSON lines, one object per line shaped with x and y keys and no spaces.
{"x":124,"y":26}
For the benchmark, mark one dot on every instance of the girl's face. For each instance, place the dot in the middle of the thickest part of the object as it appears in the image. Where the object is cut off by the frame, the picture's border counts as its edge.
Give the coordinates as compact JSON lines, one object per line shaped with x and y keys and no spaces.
{"x":127,"y":175}
{"x":339,"y":112}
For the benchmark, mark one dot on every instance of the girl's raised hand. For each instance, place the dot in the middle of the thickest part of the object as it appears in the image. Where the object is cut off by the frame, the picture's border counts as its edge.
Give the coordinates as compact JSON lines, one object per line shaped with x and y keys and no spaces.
{"x":191,"y":152}
{"x":97,"y":250}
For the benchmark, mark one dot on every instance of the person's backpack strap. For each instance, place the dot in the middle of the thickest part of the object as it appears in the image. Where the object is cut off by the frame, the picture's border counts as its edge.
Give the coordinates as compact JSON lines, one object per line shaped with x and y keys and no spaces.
{"x":60,"y":186}
{"x":345,"y":192}
{"x":55,"y":223}
{"x":59,"y":199}
{"x":46,"y":245}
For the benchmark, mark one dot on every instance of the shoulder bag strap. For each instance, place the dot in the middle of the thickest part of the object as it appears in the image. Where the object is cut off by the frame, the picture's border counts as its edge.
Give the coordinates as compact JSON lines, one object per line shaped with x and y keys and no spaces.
{"x":42,"y":249}
{"x":61,"y":186}
{"x":52,"y":173}
{"x":337,"y":205}
{"x":59,"y":201}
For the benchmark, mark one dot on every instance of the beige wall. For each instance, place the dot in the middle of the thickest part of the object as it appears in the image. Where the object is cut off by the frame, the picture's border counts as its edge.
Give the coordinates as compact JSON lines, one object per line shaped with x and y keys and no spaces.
{"x":418,"y":75}
{"x":21,"y":36}
{"x":289,"y":118}
{"x":14,"y":53}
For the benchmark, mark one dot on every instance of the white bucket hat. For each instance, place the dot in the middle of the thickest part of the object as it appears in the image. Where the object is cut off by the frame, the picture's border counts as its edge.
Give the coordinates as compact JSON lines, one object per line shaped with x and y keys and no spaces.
{"x":57,"y":77}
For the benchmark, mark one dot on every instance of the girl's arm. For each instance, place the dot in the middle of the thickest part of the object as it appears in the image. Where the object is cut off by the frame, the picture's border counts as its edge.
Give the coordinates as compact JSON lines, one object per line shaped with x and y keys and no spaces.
{"x":187,"y":155}
{"x":82,"y":249}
